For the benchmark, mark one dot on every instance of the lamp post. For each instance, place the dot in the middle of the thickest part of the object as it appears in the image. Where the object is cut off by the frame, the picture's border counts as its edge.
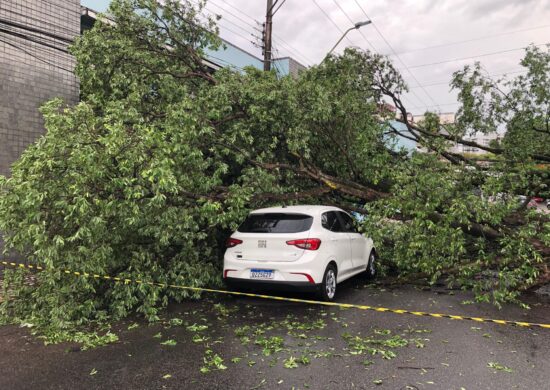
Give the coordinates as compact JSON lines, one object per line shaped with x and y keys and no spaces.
{"x":357,"y":26}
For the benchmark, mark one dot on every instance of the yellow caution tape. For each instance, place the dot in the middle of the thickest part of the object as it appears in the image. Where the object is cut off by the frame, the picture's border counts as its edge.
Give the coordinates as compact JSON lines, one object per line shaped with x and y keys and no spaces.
{"x":308,"y":301}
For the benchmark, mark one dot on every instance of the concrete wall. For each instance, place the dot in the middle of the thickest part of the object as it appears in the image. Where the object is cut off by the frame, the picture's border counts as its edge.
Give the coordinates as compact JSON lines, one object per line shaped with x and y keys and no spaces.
{"x":34,"y":67}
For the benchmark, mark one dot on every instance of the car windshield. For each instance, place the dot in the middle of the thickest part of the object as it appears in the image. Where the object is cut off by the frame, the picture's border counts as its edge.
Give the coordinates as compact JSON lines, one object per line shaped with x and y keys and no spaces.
{"x":276,"y":223}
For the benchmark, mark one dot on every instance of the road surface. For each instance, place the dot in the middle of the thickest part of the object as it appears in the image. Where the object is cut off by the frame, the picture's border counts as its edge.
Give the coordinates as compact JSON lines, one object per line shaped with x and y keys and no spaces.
{"x":281,"y":345}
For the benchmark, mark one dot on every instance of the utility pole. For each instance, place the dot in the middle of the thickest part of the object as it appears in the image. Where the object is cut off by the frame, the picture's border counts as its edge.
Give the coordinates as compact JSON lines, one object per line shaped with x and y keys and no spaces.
{"x":267,"y":35}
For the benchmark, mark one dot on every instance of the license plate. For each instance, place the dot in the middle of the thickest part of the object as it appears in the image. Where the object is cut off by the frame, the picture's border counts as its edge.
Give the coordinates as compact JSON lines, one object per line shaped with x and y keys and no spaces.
{"x":261,"y":274}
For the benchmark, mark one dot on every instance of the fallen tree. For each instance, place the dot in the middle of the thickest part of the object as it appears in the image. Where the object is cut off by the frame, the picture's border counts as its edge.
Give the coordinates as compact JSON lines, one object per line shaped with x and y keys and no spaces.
{"x":148,"y":174}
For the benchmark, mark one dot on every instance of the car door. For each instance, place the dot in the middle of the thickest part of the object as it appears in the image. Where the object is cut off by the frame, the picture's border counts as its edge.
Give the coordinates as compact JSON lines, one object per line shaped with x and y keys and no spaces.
{"x":356,"y":239}
{"x":339,"y":240}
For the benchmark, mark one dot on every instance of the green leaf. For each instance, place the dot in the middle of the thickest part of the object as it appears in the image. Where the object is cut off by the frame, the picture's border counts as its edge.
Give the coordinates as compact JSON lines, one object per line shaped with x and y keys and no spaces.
{"x":169,"y":342}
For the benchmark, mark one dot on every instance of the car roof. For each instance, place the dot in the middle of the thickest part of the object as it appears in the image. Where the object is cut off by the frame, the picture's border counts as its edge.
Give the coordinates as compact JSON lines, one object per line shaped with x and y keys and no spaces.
{"x":299,"y":209}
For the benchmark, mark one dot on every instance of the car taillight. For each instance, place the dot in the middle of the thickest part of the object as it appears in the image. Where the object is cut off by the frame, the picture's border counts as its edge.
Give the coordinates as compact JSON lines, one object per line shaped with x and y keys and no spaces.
{"x":311,"y":244}
{"x":231,"y":242}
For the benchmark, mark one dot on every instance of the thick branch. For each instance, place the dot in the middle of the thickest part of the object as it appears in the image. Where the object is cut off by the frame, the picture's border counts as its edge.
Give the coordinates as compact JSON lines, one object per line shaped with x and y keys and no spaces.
{"x":397,"y":102}
{"x":332,"y":182}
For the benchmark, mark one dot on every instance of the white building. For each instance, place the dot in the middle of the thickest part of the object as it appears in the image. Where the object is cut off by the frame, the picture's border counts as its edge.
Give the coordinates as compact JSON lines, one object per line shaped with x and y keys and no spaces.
{"x":479,"y":138}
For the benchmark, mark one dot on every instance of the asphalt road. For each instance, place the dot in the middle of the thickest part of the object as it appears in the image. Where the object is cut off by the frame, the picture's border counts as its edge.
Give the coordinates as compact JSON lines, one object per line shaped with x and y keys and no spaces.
{"x":332,"y":348}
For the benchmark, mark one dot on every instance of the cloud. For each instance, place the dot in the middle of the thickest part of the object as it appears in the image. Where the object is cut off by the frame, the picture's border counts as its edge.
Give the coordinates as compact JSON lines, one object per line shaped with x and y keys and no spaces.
{"x":510,"y":8}
{"x":412,"y":28}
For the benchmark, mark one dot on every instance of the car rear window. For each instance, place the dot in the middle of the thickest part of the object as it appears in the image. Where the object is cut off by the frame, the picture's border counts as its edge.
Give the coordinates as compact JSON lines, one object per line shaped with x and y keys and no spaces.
{"x":276,"y":223}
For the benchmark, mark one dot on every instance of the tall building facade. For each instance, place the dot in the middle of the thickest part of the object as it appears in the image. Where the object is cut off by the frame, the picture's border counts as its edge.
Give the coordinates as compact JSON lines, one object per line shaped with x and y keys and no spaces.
{"x":35,"y":66}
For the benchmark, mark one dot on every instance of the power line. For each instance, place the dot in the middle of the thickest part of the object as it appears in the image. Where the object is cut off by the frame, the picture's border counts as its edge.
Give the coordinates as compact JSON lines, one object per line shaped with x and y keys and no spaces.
{"x":37,"y":35}
{"x":229,"y":64}
{"x":42,"y":46}
{"x":236,"y":16}
{"x":34,"y":56}
{"x":277,"y":64}
{"x":353,"y":23}
{"x":291,"y":49}
{"x":279,"y":7}
{"x":474,"y":39}
{"x":34,"y":39}
{"x":332,"y":21}
{"x":222,"y":19}
{"x":238,"y":10}
{"x":435,"y":83}
{"x":39,"y":47}
{"x":6,"y":11}
{"x":237,"y":33}
{"x":283,"y":43}
{"x":442,"y":105}
{"x":296,"y":54}
{"x":272,"y":8}
{"x":268,"y":27}
{"x":11,"y":23}
{"x":41,"y":37}
{"x":405,"y":99}
{"x":399,"y":58}
{"x":476,"y":56}
{"x":275,"y":61}
{"x":247,"y":23}
{"x":230,"y":22}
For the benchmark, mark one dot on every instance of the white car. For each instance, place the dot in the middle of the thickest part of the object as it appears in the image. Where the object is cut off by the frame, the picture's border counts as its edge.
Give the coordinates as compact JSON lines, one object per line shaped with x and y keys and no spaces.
{"x":308,"y":248}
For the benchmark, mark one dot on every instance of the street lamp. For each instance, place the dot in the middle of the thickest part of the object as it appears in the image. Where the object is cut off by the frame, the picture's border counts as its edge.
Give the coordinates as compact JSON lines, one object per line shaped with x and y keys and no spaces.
{"x":357,"y":26}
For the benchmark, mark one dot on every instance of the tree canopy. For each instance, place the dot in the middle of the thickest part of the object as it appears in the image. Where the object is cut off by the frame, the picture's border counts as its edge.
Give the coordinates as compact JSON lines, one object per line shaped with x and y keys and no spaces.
{"x":148,"y":174}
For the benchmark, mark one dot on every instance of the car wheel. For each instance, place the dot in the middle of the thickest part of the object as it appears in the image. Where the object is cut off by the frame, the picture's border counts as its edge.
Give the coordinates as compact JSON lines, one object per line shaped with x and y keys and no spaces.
{"x":328,"y":287}
{"x":370,"y":272}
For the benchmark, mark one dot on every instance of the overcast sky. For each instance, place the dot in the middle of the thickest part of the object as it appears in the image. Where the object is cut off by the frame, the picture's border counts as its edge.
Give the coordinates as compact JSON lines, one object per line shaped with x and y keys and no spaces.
{"x":425,"y":34}
{"x":421,"y":32}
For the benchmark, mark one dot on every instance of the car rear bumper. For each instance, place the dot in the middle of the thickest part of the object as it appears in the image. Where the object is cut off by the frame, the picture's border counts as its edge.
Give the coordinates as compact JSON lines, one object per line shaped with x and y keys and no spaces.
{"x":274,"y":285}
{"x":308,"y":269}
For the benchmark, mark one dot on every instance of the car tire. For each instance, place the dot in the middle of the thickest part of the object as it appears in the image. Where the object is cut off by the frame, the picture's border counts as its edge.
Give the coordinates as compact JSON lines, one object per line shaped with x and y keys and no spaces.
{"x":328,"y":286}
{"x":370,"y":272}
